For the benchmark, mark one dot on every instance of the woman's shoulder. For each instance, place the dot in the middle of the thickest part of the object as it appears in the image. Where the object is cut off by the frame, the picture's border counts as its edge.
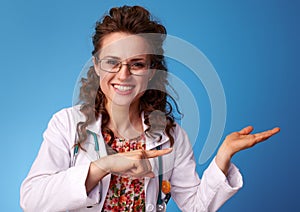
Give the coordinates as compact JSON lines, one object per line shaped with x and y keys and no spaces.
{"x":70,"y":115}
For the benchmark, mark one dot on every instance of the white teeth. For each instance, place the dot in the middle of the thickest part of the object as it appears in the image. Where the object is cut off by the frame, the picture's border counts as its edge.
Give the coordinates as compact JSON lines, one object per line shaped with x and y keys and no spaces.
{"x":123,"y":87}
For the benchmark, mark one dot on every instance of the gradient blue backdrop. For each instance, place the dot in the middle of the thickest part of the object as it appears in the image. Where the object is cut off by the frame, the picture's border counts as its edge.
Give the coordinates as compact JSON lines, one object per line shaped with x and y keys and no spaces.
{"x":254,"y":46}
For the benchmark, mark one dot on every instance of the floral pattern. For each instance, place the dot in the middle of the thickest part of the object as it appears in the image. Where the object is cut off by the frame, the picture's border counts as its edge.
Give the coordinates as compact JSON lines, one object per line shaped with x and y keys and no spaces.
{"x":125,"y":193}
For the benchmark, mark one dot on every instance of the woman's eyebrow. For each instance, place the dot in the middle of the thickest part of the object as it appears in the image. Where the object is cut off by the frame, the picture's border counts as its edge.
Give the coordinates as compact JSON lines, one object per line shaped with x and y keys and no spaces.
{"x":111,"y":57}
{"x":137,"y":59}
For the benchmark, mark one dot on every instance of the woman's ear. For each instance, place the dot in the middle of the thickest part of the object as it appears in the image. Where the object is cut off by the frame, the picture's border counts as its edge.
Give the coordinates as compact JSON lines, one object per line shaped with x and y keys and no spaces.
{"x":96,"y":66}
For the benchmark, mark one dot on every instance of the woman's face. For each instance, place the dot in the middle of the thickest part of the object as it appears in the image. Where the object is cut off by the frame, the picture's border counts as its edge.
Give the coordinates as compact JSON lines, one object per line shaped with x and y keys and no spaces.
{"x":123,"y":88}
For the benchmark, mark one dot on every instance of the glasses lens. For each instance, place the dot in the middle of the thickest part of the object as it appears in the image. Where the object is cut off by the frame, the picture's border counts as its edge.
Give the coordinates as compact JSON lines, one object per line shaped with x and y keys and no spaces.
{"x":139,"y":68}
{"x":110,"y":65}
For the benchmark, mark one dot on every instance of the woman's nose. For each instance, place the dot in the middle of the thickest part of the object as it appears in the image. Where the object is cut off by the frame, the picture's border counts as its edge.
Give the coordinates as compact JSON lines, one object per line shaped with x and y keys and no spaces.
{"x":124,"y":72}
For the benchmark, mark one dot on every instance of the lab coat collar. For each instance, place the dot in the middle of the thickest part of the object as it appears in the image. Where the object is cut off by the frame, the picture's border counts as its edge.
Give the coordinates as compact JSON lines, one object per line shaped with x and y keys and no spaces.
{"x":95,"y":127}
{"x":151,"y":143}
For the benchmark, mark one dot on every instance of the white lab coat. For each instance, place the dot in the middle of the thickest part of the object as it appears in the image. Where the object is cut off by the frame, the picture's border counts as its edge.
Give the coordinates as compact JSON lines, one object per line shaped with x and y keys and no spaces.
{"x":54,"y":185}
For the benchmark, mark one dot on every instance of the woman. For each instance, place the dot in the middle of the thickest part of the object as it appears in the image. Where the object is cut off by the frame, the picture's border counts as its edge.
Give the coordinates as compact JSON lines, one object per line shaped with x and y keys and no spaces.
{"x":121,"y":147}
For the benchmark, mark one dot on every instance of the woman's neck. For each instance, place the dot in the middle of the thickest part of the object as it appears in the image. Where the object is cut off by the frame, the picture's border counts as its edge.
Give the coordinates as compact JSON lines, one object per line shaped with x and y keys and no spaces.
{"x":125,"y":121}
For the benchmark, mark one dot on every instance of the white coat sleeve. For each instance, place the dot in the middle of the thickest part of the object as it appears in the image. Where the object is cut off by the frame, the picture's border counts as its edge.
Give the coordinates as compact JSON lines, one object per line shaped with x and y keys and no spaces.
{"x":192,"y":194}
{"x":51,"y":184}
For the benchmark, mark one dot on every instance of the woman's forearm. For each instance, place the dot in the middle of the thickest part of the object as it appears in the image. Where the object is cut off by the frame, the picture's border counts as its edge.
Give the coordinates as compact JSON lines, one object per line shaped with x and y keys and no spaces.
{"x":97,"y":171}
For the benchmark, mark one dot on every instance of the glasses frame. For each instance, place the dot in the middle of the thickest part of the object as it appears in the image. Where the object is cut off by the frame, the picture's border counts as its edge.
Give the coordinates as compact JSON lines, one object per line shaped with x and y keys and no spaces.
{"x":119,"y":66}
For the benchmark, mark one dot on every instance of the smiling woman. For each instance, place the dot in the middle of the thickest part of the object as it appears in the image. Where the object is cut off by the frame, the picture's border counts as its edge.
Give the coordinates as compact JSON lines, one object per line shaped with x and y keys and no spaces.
{"x":121,"y":149}
{"x":124,"y":75}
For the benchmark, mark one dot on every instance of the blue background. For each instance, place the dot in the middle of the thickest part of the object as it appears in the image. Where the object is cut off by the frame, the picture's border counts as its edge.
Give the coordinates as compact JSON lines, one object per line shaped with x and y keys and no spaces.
{"x":253,"y":45}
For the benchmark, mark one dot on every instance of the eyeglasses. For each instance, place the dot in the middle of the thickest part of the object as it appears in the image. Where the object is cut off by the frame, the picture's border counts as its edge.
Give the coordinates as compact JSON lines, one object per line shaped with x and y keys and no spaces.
{"x":111,"y":65}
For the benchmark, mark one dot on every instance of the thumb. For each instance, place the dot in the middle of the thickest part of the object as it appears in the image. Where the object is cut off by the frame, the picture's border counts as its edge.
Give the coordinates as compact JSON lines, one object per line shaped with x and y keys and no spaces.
{"x":246,"y":130}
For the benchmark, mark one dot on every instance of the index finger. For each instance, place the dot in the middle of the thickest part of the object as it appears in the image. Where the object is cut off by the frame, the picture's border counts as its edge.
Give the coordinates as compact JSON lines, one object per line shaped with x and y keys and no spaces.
{"x":156,"y":153}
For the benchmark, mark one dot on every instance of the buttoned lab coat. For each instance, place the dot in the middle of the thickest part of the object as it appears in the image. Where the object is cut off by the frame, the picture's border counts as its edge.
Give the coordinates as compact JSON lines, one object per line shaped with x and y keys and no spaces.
{"x":53,"y":184}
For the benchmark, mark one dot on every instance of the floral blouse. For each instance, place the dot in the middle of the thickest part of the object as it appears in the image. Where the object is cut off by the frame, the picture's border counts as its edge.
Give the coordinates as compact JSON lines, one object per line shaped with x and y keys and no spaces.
{"x":125,"y":193}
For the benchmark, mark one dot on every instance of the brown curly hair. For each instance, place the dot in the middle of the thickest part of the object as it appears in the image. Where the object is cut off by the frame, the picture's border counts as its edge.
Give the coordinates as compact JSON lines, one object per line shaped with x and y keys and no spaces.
{"x":131,"y":20}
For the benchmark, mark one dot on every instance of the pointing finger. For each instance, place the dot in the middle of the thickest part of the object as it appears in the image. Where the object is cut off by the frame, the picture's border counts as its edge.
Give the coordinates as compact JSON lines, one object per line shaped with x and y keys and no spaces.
{"x":156,"y":153}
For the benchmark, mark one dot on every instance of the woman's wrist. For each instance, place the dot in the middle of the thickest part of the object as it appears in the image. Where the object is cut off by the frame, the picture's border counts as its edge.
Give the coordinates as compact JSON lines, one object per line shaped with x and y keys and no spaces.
{"x":102,"y":165}
{"x":223,"y":158}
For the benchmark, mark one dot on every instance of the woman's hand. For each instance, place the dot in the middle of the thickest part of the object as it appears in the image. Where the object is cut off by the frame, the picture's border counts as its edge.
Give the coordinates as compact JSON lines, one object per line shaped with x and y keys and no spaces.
{"x":134,"y":164}
{"x":238,"y":141}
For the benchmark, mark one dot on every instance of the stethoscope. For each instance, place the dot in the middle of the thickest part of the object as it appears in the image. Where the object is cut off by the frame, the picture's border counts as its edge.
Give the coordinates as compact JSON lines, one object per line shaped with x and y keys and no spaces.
{"x":161,"y":202}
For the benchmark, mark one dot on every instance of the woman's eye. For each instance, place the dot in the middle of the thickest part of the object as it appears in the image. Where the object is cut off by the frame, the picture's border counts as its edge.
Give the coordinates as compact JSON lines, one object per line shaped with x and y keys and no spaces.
{"x":112,"y":62}
{"x":139,"y":65}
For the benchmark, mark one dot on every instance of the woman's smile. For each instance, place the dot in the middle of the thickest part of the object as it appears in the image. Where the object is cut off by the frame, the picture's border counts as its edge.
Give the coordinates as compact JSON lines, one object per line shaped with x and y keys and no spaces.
{"x":123,"y":89}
